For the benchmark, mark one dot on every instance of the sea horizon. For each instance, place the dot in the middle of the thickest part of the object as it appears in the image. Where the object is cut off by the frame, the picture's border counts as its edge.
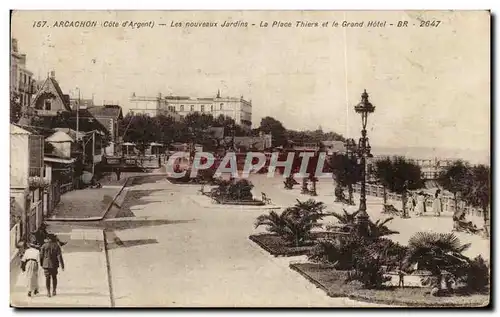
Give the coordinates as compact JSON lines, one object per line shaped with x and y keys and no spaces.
{"x":472,"y":156}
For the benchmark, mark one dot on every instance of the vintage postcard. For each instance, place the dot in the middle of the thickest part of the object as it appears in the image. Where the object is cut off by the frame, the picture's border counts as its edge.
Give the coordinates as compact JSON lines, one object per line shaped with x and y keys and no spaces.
{"x":250,"y":159}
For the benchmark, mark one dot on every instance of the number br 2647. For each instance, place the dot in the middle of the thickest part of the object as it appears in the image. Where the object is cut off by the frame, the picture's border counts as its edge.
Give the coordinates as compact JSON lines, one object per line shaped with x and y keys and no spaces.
{"x":429,"y":23}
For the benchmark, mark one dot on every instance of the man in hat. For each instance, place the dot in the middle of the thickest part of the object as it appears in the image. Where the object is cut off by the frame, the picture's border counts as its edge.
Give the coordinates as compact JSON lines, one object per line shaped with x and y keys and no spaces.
{"x":51,"y":258}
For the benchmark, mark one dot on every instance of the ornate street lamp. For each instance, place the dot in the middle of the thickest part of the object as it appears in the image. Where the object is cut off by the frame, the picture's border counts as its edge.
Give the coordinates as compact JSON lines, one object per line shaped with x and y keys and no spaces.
{"x":364,"y":152}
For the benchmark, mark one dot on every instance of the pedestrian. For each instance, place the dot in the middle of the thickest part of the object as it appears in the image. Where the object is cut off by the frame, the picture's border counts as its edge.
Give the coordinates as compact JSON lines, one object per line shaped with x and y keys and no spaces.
{"x":118,"y":173}
{"x":410,"y":204}
{"x":437,"y":206}
{"x":30,"y":266}
{"x":420,"y":206}
{"x":51,"y":258}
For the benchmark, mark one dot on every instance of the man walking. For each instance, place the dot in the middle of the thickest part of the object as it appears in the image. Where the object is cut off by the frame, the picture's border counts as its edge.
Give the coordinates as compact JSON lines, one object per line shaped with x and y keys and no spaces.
{"x":51,"y":258}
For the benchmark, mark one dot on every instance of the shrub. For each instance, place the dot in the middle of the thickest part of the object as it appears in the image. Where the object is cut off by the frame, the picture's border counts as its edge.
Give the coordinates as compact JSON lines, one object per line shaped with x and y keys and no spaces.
{"x":295,"y":223}
{"x":477,"y":275}
{"x":368,"y":271}
{"x":241,"y":190}
{"x":342,"y":252}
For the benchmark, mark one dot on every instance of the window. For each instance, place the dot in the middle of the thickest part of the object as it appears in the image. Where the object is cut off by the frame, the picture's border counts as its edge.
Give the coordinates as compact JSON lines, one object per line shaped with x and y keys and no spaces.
{"x":21,"y":96}
{"x":221,"y":106}
{"x":202,"y":108}
{"x":192,"y":107}
{"x":212,"y":108}
{"x":47,"y":105}
{"x":182,"y":107}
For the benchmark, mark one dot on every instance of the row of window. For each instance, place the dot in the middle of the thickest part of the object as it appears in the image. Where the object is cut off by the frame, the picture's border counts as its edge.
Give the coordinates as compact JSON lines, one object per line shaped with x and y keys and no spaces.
{"x":202,"y":108}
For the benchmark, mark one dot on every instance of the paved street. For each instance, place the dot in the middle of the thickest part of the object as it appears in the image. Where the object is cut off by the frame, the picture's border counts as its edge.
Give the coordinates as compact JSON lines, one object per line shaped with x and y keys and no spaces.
{"x":166,"y":250}
{"x":204,"y":258}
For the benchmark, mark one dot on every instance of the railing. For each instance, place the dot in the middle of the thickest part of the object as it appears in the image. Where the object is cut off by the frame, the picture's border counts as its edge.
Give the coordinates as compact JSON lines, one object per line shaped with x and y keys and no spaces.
{"x":66,"y":188}
{"x":448,"y":201}
{"x":15,"y":236}
{"x":36,"y":171}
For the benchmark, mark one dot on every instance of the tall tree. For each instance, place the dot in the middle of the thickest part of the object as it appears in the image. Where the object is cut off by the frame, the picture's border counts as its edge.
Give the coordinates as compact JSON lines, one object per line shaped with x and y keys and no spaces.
{"x":454,"y":179}
{"x":276,"y":129}
{"x":346,"y":171}
{"x":478,"y":193}
{"x":384,"y":174}
{"x":404,"y":175}
{"x":139,"y":129}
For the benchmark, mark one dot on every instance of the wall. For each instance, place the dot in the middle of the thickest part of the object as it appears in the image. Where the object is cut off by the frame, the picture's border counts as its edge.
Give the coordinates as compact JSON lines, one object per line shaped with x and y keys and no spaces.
{"x":62,"y":149}
{"x":57,"y":103}
{"x":19,"y":163}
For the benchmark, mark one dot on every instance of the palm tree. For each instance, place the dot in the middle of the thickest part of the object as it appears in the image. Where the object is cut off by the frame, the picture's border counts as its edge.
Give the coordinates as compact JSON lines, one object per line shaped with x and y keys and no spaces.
{"x":295,"y":223}
{"x":478,"y":192}
{"x":379,"y":229}
{"x":437,"y":252}
{"x":346,"y":218}
{"x":274,"y":222}
{"x":310,"y":206}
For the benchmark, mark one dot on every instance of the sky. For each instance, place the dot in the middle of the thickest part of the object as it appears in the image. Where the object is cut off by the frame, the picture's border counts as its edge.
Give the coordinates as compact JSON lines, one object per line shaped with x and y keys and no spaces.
{"x":430,"y":86}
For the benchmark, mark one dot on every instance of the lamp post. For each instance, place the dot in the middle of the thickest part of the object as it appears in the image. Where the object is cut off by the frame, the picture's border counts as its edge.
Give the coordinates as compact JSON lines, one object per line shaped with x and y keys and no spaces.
{"x":364,"y":151}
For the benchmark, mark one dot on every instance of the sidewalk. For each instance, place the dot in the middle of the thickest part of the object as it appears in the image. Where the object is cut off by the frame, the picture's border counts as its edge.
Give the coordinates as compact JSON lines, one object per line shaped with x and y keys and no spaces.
{"x":84,"y":203}
{"x":84,"y":283}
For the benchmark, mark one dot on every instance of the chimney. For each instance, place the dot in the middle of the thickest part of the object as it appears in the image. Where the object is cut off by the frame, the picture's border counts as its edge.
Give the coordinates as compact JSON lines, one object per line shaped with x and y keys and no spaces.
{"x":22,"y":59}
{"x":53,"y":74}
{"x":14,"y":45}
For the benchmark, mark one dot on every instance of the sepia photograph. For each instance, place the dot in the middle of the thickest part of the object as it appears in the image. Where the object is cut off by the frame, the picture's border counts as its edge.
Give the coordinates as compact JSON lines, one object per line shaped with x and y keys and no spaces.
{"x":250,"y":159}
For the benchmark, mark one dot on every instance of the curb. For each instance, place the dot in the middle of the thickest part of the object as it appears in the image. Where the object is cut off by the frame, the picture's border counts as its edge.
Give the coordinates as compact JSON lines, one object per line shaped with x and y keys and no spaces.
{"x":232,"y":207}
{"x":105,"y":212}
{"x":108,"y":270}
{"x":371,"y":300}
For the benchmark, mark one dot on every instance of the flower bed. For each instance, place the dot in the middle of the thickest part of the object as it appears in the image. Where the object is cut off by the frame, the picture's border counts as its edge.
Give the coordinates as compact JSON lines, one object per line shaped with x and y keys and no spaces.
{"x":333,"y":283}
{"x":278,"y":246}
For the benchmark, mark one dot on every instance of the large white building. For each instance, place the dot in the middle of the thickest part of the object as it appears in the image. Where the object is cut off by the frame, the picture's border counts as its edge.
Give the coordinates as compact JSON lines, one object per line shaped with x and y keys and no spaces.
{"x":237,"y":108}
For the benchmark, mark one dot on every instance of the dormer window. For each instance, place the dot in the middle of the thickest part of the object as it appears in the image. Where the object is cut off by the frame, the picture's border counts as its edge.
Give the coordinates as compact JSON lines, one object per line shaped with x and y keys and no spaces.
{"x":47,"y":105}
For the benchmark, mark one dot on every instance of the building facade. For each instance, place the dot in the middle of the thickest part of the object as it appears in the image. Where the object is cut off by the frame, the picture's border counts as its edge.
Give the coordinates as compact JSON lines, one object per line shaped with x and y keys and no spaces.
{"x":27,"y":176}
{"x":109,"y":116}
{"x":151,"y":106}
{"x":21,"y":79}
{"x":49,"y":99}
{"x":239,"y":109}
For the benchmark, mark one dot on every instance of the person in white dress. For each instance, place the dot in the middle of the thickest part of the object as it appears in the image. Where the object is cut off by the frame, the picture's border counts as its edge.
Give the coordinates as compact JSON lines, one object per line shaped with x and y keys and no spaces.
{"x":30,"y":264}
{"x":420,"y":206}
{"x":437,"y":206}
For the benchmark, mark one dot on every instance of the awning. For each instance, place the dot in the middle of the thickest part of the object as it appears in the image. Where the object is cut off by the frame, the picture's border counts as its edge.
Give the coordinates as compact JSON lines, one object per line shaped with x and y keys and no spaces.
{"x":58,"y":160}
{"x":156,"y":144}
{"x":128,"y":144}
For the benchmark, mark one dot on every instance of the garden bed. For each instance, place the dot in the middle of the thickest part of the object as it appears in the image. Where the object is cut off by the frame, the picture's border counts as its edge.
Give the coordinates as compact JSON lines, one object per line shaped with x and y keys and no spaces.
{"x":238,"y":202}
{"x":277,"y":246}
{"x":333,"y":283}
{"x":188,"y":181}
